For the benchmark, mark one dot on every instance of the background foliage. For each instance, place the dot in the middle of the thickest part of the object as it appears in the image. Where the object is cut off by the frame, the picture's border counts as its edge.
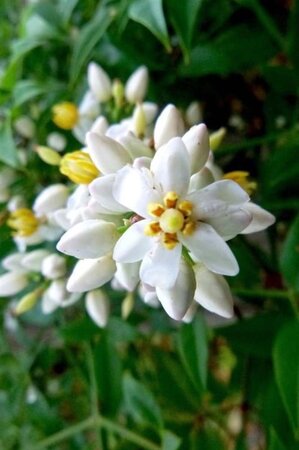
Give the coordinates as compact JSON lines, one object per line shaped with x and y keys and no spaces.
{"x":148,"y":382}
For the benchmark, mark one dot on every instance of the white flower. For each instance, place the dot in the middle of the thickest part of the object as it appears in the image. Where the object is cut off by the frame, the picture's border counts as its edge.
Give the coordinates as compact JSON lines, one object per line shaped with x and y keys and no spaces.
{"x":173,"y":217}
{"x":97,"y":306}
{"x":51,"y":198}
{"x":136,"y":85}
{"x":169,"y":124}
{"x":99,"y":82}
{"x":12,"y":283}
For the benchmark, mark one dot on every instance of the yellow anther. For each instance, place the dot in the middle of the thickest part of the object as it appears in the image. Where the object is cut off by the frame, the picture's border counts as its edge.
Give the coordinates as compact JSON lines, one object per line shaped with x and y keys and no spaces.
{"x":169,"y":240}
{"x":170,"y":199}
{"x":152,"y":229}
{"x":242,"y":178}
{"x":155,"y":209}
{"x":189,"y":227}
{"x":171,"y":221}
{"x":185,"y":207}
{"x":78,"y":167}
{"x":48,"y":155}
{"x":23,"y":222}
{"x":65,"y":115}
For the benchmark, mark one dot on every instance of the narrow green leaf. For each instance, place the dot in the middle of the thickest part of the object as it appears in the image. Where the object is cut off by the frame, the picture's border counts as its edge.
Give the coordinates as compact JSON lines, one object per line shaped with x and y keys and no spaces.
{"x":26,"y":90}
{"x":149,"y":13}
{"x":66,"y":8}
{"x":140,"y":403}
{"x":23,"y":46}
{"x":292,"y":37}
{"x":8,"y":150}
{"x":193,"y":349}
{"x":275,"y":443}
{"x":108,"y":373}
{"x":170,"y":441}
{"x":289,"y":260}
{"x":208,"y":437}
{"x":11,"y":74}
{"x":88,"y":38}
{"x":183,"y":16}
{"x":286,"y":370}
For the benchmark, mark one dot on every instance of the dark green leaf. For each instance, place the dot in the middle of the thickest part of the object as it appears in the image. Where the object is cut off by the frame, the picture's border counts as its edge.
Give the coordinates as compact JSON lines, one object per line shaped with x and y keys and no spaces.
{"x":275,"y":443}
{"x":193,"y":349}
{"x":26,"y":90}
{"x":183,"y":15}
{"x":108,"y":373}
{"x":140,"y":403}
{"x":149,"y":13}
{"x":292,"y":37}
{"x":88,"y":38}
{"x":239,"y":48}
{"x":8,"y":150}
{"x":289,"y":260}
{"x":208,"y":437}
{"x":286,"y":369}
{"x":66,"y":8}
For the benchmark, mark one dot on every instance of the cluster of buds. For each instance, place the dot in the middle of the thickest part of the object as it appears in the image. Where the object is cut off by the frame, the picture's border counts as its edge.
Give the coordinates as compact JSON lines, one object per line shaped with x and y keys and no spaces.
{"x":142,"y":206}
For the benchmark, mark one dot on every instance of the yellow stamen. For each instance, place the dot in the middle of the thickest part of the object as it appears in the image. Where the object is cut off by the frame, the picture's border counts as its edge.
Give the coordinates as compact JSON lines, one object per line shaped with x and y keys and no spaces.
{"x":78,"y":167}
{"x":170,"y":199}
{"x":23,"y":222}
{"x":169,"y":240}
{"x":152,"y":229}
{"x":189,"y":227}
{"x":171,"y":221}
{"x":155,"y":209}
{"x":242,"y":178}
{"x":65,"y":115}
{"x":185,"y":207}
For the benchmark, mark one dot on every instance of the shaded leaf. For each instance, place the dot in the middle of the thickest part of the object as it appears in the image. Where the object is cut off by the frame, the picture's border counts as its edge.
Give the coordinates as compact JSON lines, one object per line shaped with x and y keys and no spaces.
{"x":8,"y":150}
{"x":286,"y":369}
{"x":275,"y":443}
{"x":140,"y":403}
{"x":149,"y":13}
{"x":193,"y":349}
{"x":289,"y":260}
{"x":170,"y":441}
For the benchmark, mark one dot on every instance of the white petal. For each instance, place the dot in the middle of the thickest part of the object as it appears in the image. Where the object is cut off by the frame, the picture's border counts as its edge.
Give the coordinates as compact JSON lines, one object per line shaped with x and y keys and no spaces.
{"x":169,"y":124}
{"x":90,"y":274}
{"x":232,"y":222}
{"x":150,"y":110}
{"x":89,"y":239}
{"x":12,"y":282}
{"x":136,"y":85}
{"x":132,"y":189}
{"x":189,"y":316}
{"x":128,"y":275}
{"x":13,"y":262}
{"x":211,"y":249}
{"x":97,"y":306}
{"x":201,"y":179}
{"x":101,"y":190}
{"x":212,"y":292}
{"x":177,"y":300}
{"x":107,"y":154}
{"x":214,"y":198}
{"x":51,"y":198}
{"x":135,"y":147}
{"x":160,"y":266}
{"x":58,"y":294}
{"x":261,"y":218}
{"x":100,"y":125}
{"x":99,"y":82}
{"x":171,"y":167}
{"x":133,"y":244}
{"x":33,"y":260}
{"x":196,"y":141}
{"x":53,"y":266}
{"x":48,"y":305}
{"x":194,"y":113}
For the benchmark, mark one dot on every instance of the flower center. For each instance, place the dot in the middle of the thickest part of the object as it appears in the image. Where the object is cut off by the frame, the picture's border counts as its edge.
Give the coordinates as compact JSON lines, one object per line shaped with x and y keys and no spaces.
{"x":23,"y":222}
{"x":78,"y":167}
{"x":65,"y":115}
{"x":172,"y":216}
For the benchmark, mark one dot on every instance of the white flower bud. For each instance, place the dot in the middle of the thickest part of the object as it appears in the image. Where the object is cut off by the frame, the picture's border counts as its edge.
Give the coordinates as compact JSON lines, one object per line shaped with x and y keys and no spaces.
{"x":12,"y":283}
{"x":90,"y":274}
{"x":100,"y":126}
{"x":99,"y":82}
{"x":7,"y":177}
{"x":169,"y":124}
{"x":13,"y":262}
{"x":25,"y":126}
{"x":150,"y":110}
{"x":136,"y":86}
{"x":97,"y":306}
{"x":127,"y":305}
{"x":51,"y":198}
{"x":53,"y":266}
{"x":138,"y":121}
{"x":194,"y":114}
{"x":127,"y":275}
{"x":196,"y":141}
{"x":56,"y":141}
{"x":16,"y":202}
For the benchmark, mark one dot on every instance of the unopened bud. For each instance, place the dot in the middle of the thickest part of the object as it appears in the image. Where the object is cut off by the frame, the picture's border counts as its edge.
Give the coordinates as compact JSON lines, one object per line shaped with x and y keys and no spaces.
{"x":25,"y":126}
{"x":194,"y":114}
{"x":97,"y":306}
{"x":28,"y":301}
{"x":56,"y":141}
{"x":78,"y":167}
{"x":139,"y":121}
{"x":216,"y":138}
{"x":136,"y":85}
{"x":118,"y":93}
{"x":99,"y":82}
{"x":53,"y":266}
{"x":48,"y":155}
{"x":127,"y":305}
{"x":65,"y":115}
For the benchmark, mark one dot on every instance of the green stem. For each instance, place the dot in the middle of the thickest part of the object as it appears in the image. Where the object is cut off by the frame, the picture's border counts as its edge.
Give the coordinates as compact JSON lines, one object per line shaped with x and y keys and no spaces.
{"x":93,"y":394}
{"x":294,"y":302}
{"x":235,"y":148}
{"x":100,"y":422}
{"x":261,"y":293}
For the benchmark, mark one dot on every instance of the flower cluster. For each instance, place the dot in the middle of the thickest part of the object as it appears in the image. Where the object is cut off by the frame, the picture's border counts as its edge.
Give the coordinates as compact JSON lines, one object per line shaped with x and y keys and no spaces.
{"x":141,"y":205}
